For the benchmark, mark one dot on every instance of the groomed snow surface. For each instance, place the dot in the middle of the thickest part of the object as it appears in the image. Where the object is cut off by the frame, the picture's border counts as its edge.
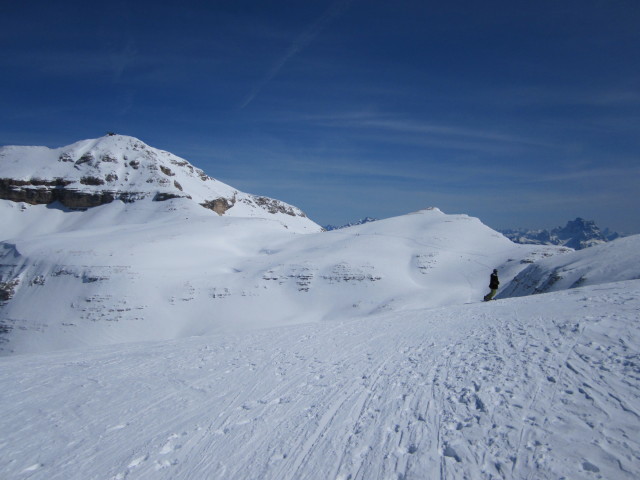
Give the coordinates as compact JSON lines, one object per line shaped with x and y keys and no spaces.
{"x":539,"y":387}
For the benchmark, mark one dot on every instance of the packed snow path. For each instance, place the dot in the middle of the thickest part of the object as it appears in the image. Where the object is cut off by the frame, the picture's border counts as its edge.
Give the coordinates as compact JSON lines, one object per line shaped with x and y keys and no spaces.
{"x":541,"y":387}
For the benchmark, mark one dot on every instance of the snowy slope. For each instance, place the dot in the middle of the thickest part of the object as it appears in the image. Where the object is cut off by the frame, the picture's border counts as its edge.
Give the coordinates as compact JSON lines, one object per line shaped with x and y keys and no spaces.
{"x":542,"y":387}
{"x":612,"y":262}
{"x":132,"y":271}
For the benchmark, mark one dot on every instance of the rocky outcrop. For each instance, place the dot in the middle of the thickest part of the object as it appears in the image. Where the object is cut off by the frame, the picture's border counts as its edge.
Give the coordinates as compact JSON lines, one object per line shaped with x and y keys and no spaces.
{"x":8,"y":289}
{"x":219,"y":205}
{"x":275,"y":206}
{"x":33,"y":191}
{"x":162,"y":196}
{"x":36,"y":192}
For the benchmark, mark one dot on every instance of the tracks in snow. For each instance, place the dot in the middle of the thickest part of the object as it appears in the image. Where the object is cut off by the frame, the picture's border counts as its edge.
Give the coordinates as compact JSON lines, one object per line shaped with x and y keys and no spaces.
{"x":511,"y":390}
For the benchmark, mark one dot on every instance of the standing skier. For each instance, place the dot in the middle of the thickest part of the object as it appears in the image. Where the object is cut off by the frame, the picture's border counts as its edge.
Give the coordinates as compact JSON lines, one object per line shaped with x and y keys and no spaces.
{"x":494,"y":283}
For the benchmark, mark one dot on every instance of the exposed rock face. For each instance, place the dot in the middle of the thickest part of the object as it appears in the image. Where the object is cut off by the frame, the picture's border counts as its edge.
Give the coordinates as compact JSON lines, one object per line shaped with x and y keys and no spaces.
{"x":7,"y":289}
{"x":219,"y":205}
{"x":162,"y":196}
{"x":275,"y":206}
{"x":37,"y":192}
{"x":31,"y":191}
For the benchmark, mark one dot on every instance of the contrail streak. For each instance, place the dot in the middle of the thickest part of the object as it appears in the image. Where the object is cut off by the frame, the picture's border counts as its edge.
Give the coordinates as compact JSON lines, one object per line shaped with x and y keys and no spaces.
{"x":302,"y":41}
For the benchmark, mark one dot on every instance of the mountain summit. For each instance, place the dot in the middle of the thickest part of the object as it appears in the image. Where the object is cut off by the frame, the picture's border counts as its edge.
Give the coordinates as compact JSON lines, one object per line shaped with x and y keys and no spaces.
{"x":94,"y":172}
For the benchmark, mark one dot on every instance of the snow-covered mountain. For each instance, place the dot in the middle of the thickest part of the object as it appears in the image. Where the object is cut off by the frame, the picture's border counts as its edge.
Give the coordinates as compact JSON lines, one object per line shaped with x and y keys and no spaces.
{"x":133,"y":271}
{"x":576,"y":234}
{"x":95,"y":172}
{"x":611,"y":262}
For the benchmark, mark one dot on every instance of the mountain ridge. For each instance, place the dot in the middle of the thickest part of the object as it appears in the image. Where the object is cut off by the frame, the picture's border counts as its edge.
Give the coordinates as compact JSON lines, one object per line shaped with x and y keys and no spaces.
{"x":124,"y":272}
{"x":362,"y":221}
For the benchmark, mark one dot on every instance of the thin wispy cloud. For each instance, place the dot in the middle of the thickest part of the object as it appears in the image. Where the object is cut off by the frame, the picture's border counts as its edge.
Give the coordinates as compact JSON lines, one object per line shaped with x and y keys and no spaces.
{"x":619,"y":174}
{"x":391,"y":124}
{"x":336,"y":9}
{"x":613,"y":95}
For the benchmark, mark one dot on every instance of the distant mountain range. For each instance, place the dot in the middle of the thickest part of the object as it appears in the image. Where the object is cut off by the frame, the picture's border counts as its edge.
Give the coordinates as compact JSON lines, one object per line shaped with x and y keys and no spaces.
{"x":328,"y":228}
{"x":576,"y":234}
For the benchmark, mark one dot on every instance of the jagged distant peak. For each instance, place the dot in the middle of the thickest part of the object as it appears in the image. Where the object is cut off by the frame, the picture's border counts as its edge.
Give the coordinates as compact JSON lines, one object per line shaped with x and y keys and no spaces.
{"x":362,"y":221}
{"x":93,"y":172}
{"x":576,"y":234}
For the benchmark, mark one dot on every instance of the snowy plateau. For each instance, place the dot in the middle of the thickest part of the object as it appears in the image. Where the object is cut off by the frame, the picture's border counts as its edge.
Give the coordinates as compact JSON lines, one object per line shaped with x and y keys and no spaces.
{"x":156,"y":323}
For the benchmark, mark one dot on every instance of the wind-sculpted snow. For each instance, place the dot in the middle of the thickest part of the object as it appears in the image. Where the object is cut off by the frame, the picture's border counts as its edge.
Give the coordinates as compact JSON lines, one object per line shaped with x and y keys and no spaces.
{"x":542,"y":387}
{"x":149,"y":270}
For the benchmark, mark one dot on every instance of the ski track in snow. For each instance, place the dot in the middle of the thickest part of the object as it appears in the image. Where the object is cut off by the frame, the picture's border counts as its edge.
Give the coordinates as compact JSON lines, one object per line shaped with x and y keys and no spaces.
{"x":543,"y":387}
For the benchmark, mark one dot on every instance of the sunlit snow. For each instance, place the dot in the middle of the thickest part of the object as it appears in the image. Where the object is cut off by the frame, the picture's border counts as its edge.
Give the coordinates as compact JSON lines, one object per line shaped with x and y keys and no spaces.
{"x":160,"y":340}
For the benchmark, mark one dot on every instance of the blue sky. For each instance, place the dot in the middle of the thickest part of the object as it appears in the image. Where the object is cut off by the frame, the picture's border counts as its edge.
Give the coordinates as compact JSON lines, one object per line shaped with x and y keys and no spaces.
{"x":520,"y":113}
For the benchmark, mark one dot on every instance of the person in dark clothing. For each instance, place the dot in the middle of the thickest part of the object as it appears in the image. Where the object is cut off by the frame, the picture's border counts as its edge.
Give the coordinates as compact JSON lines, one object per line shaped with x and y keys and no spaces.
{"x":494,"y":283}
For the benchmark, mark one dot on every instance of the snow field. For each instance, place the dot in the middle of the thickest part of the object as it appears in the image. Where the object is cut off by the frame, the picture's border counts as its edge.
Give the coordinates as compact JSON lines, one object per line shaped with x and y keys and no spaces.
{"x":162,"y":270}
{"x":541,"y":387}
